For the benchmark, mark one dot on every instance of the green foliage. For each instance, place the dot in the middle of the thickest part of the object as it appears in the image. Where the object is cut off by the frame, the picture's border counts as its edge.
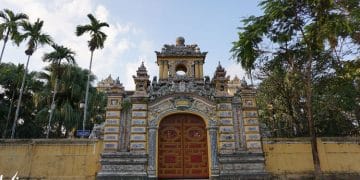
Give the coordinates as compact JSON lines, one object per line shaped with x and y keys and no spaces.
{"x":60,"y":53}
{"x":37,"y":98}
{"x":97,"y":41}
{"x":94,"y":29}
{"x":71,"y":87}
{"x":10,"y":79}
{"x":9,"y":27}
{"x":11,"y":22}
{"x":35,"y":37}
{"x":307,"y":77}
{"x":66,"y":83}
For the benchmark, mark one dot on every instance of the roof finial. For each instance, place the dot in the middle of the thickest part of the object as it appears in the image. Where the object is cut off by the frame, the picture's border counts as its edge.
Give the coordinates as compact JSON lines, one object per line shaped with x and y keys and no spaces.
{"x":180,"y":41}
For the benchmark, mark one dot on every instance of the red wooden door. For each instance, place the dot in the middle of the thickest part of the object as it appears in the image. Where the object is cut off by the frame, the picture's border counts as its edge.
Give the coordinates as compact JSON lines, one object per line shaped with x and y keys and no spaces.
{"x":182,"y":147}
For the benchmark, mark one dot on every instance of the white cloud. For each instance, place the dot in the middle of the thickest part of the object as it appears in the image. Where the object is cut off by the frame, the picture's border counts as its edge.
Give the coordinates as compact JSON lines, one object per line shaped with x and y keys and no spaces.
{"x":101,"y":13}
{"x":130,"y":70}
{"x":235,"y":70}
{"x":60,"y":20}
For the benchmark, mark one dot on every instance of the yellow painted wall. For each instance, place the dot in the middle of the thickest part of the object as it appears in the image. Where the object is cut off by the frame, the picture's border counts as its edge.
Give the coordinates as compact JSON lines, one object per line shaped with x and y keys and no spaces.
{"x":79,"y":158}
{"x":293,"y":156}
{"x":341,"y":155}
{"x":53,"y":159}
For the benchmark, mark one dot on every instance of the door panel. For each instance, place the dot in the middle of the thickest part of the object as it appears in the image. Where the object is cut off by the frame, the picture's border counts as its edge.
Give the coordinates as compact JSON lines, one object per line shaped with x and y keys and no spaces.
{"x":170,"y":149}
{"x":182,"y":147}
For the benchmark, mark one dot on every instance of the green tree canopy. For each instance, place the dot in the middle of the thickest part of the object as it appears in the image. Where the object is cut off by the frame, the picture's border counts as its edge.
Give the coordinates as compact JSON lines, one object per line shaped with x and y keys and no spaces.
{"x":307,"y":40}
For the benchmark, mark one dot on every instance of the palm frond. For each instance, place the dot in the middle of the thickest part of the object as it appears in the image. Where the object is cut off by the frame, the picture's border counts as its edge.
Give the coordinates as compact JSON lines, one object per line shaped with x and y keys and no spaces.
{"x":21,"y":16}
{"x":3,"y":15}
{"x":97,"y":37}
{"x":9,"y":13}
{"x":80,"y":30}
{"x":93,"y":20}
{"x":11,"y":23}
{"x":45,"y":39}
{"x":104,"y":24}
{"x":33,"y":32}
{"x":26,"y":25}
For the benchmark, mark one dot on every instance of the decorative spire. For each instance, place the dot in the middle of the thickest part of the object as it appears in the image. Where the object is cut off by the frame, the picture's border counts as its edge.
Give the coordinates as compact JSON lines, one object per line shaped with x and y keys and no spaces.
{"x":142,"y":72}
{"x":220,"y":81}
{"x":220,"y":71}
{"x":180,"y":49}
{"x":109,"y":85}
{"x":180,"y":41}
{"x":141,"y":79}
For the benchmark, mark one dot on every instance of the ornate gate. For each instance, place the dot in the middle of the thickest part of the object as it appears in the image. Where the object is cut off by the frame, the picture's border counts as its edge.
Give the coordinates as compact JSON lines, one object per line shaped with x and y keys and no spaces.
{"x":182,"y":151}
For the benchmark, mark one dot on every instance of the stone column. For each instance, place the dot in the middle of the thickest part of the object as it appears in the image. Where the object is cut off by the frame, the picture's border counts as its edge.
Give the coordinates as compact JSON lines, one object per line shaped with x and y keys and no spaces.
{"x":161,"y":69}
{"x":213,"y":147}
{"x":226,"y":127}
{"x":250,"y":120}
{"x":201,"y":70}
{"x":152,"y":152}
{"x":166,"y":70}
{"x":196,"y":69}
{"x":112,"y":123}
{"x":236,"y":126}
{"x":138,"y":128}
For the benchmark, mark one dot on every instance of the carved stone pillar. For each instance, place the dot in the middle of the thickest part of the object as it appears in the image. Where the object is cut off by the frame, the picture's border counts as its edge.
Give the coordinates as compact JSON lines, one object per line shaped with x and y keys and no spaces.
{"x":238,"y":124}
{"x":213,"y":147}
{"x":166,"y":70}
{"x":196,"y":69}
{"x":201,"y":70}
{"x":152,"y":152}
{"x":161,"y":69}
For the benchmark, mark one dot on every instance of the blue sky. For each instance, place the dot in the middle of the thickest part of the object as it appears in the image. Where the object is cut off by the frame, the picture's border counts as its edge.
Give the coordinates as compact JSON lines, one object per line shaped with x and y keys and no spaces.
{"x":137,"y":29}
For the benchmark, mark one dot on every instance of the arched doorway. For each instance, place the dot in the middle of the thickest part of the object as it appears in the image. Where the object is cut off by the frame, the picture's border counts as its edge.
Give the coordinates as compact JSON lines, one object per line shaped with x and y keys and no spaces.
{"x":182,"y":147}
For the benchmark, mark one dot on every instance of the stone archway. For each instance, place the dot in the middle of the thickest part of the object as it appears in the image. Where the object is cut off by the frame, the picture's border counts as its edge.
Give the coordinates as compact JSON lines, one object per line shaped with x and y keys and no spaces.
{"x":182,"y":147}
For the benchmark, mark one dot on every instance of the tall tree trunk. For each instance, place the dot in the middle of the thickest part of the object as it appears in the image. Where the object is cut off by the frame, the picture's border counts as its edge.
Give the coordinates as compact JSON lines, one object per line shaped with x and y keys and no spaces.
{"x":52,"y":108}
{"x":19,"y":100}
{"x":312,"y":133}
{"x":5,"y":41}
{"x":87,"y":91}
{"x":9,"y":114}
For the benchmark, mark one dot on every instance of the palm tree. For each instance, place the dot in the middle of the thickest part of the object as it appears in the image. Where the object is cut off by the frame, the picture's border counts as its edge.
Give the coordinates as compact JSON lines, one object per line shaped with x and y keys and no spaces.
{"x":36,"y":37}
{"x":10,"y":27}
{"x":68,"y":113}
{"x":55,"y":57}
{"x":97,"y":41}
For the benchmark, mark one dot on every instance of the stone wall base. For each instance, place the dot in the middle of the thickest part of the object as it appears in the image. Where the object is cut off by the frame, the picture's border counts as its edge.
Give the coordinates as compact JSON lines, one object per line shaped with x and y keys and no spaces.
{"x":311,"y":176}
{"x":243,"y":165}
{"x":122,"y":165}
